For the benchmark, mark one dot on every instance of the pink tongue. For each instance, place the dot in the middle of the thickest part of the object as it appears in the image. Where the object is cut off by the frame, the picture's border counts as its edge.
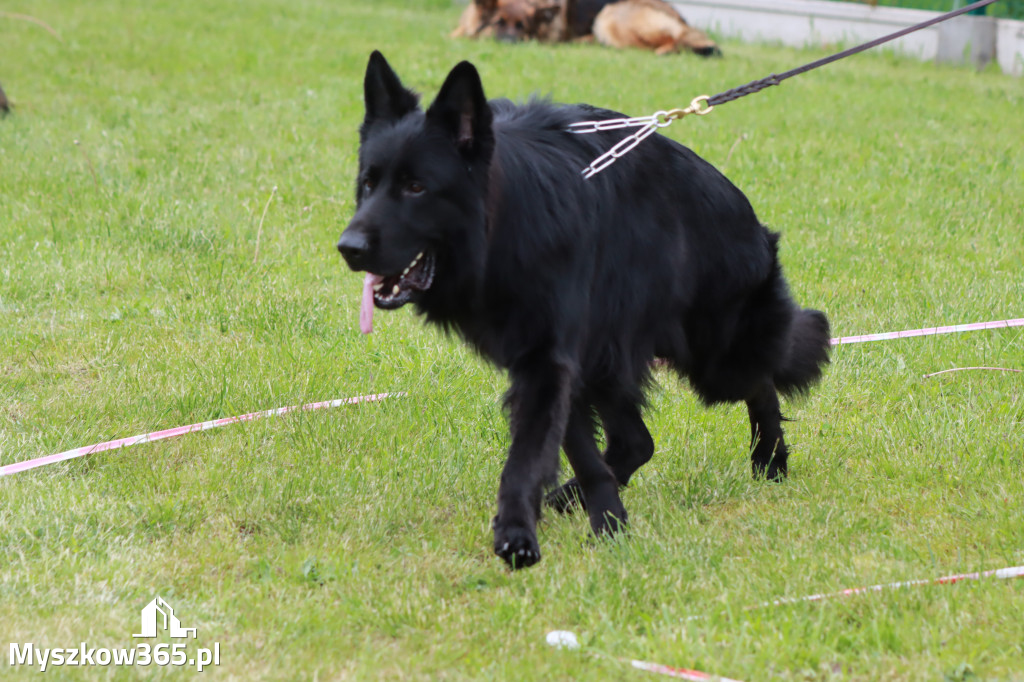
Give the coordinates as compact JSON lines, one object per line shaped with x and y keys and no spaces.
{"x":366,"y":309}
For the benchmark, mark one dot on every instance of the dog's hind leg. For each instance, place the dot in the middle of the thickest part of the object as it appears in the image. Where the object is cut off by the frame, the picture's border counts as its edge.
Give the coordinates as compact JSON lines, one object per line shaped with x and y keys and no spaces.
{"x":769,"y":453}
{"x":630,"y":446}
{"x":538,"y":405}
{"x":594,"y":485}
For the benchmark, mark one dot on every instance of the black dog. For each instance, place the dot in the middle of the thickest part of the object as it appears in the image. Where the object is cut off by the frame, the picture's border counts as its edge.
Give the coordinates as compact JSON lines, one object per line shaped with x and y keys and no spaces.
{"x":476,"y":211}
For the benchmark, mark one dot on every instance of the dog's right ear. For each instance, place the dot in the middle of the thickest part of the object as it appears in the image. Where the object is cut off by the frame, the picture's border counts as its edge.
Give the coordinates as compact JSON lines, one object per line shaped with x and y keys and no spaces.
{"x":385,"y":96}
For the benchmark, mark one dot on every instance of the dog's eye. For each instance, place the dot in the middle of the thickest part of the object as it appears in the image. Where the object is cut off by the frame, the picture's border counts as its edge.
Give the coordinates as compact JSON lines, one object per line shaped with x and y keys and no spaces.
{"x":415,"y":188}
{"x":368,"y":185}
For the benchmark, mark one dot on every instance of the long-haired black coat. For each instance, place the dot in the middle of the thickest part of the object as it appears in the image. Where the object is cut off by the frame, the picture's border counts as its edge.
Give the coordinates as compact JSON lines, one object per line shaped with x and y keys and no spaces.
{"x":476,"y":211}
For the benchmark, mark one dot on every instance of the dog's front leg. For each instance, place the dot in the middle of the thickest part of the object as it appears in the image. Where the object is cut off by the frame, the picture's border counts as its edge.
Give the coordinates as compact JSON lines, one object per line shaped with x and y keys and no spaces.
{"x":538,"y":405}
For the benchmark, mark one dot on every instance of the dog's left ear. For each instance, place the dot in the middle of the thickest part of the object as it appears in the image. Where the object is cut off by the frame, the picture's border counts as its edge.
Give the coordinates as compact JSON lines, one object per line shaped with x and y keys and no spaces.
{"x":461,"y":110}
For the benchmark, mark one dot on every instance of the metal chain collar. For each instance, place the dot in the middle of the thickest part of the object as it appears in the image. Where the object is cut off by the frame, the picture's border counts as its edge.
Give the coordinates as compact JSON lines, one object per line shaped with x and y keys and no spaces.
{"x":647,"y":125}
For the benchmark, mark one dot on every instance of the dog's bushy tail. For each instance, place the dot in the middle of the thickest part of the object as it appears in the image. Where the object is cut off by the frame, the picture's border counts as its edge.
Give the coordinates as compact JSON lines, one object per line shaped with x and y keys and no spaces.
{"x":807,"y":355}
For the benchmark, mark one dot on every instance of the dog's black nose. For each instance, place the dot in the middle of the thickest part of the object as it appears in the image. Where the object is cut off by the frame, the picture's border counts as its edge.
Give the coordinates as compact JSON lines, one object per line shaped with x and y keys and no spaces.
{"x":355,"y":248}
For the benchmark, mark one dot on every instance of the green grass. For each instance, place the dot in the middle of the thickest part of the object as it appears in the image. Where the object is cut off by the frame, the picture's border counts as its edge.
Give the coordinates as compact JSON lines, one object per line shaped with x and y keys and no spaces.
{"x":354,"y":543}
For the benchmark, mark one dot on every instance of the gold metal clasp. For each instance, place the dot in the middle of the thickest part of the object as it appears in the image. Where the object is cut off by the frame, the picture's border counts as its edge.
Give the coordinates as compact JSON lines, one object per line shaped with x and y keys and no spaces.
{"x":694,"y":108}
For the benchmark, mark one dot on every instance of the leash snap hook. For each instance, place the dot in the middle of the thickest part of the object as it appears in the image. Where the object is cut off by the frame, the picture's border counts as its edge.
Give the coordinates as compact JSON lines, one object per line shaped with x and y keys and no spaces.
{"x":698,"y":105}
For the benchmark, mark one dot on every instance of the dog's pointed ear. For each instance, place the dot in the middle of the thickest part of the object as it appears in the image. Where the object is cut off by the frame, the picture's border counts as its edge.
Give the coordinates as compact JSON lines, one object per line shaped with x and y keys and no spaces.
{"x":462,"y":111}
{"x":385,"y":96}
{"x":546,"y":15}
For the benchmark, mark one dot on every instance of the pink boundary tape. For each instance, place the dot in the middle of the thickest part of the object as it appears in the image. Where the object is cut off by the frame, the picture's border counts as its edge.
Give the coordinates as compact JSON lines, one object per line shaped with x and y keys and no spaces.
{"x":973,"y":369}
{"x":182,"y":430}
{"x":999,"y":574}
{"x":929,"y":331}
{"x":678,"y":673}
{"x":203,"y":426}
{"x":698,"y":676}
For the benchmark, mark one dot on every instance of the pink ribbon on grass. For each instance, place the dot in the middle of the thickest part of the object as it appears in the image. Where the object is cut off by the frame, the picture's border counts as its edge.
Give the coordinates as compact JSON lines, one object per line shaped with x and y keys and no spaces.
{"x":182,"y":430}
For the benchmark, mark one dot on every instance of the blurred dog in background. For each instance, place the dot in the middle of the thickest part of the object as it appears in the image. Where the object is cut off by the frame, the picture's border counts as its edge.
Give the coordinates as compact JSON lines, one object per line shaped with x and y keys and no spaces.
{"x":649,"y":24}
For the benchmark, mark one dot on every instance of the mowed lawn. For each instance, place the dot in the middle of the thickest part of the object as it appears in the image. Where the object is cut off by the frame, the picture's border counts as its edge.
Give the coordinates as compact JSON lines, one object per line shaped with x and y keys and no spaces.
{"x":172,"y":183}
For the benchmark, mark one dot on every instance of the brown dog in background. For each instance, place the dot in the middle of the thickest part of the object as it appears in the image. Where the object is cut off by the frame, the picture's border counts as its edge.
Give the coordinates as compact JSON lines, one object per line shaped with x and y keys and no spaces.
{"x":648,"y":24}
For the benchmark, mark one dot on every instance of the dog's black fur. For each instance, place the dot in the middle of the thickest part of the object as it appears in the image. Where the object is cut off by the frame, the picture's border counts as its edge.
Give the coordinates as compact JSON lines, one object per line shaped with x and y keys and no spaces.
{"x":575,"y":286}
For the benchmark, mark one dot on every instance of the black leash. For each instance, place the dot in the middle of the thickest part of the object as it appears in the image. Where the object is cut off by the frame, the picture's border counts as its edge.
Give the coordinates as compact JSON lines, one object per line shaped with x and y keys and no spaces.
{"x":704,"y":104}
{"x":775,"y":79}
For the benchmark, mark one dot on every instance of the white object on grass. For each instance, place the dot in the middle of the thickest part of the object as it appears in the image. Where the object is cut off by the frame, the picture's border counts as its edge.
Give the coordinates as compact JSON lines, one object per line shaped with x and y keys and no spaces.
{"x":563,"y":638}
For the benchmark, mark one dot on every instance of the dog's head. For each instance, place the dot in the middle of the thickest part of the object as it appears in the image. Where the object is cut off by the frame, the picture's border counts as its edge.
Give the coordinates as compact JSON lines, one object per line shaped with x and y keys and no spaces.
{"x":515,"y":20}
{"x":529,"y":19}
{"x":421,"y":183}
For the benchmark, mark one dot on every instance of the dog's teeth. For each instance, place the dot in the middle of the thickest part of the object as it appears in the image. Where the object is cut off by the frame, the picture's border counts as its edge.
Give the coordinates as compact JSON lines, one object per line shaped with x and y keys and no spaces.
{"x":406,"y":271}
{"x":395,"y":290}
{"x":378,"y":286}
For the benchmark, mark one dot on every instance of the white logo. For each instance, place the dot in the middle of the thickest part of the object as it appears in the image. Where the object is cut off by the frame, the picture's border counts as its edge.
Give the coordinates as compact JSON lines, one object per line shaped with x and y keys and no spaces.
{"x":159,"y":614}
{"x":157,"y":617}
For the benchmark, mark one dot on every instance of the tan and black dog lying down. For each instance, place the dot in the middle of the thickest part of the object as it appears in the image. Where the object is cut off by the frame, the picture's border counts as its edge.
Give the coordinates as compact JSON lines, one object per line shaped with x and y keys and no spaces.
{"x":649,"y":24}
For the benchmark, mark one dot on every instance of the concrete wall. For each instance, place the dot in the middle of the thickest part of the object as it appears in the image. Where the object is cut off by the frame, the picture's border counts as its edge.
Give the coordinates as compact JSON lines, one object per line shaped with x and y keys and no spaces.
{"x":804,"y":23}
{"x":1010,"y":46}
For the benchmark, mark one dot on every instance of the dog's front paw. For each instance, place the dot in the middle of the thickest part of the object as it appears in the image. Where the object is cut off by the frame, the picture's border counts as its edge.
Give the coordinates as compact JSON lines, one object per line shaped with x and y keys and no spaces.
{"x":516,"y":545}
{"x":566,"y":498}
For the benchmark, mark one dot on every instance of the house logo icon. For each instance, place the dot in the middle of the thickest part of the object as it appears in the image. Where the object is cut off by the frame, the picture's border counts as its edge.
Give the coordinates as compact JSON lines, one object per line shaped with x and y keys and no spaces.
{"x":158,"y":615}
